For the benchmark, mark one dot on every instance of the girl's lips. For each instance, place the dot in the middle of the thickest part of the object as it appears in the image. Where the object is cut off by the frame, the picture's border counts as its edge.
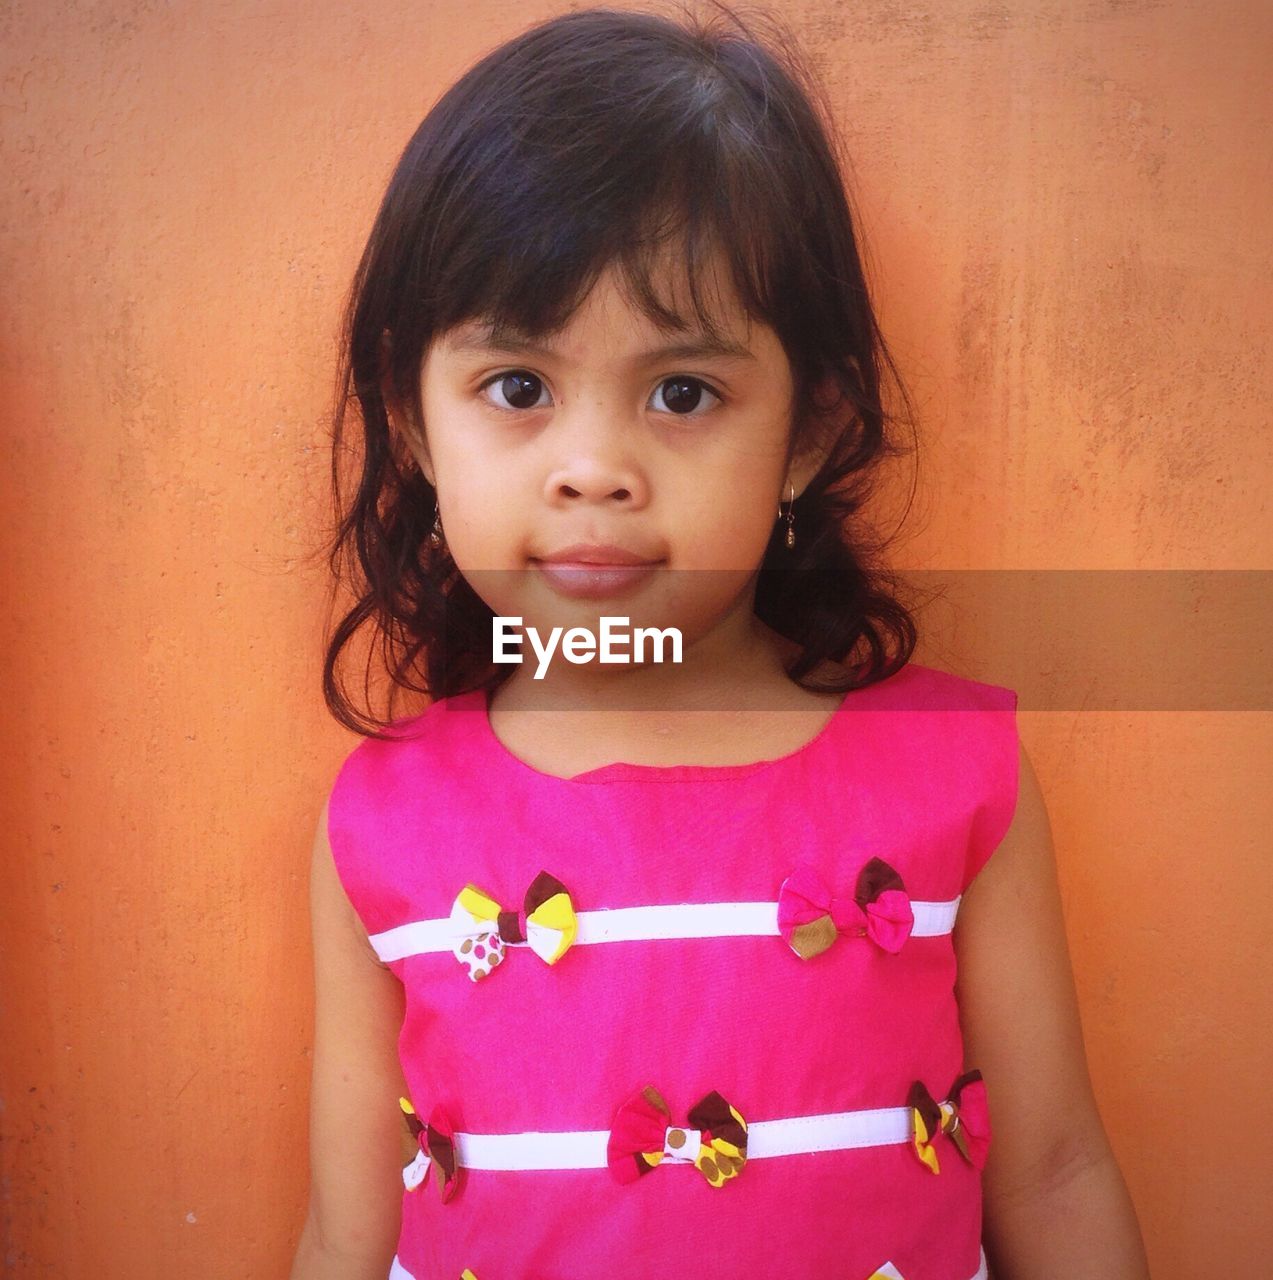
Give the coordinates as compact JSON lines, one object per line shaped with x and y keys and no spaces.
{"x":581,"y":580}
{"x":602,"y":553}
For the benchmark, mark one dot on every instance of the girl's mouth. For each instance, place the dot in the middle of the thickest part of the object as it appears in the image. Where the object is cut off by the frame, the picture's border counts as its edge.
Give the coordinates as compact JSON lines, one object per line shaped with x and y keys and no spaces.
{"x":587,"y":580}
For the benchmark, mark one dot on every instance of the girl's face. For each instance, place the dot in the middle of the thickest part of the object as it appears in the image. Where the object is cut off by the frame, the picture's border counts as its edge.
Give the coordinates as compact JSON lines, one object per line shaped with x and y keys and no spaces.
{"x":606,"y":435}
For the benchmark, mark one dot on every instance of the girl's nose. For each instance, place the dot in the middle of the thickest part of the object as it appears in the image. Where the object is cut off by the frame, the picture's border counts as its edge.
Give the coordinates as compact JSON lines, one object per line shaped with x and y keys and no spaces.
{"x":583,"y":482}
{"x":597,"y":465}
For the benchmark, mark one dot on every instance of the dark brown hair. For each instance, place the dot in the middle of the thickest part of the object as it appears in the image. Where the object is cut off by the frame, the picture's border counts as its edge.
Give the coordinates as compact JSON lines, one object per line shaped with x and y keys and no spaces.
{"x":597,"y":139}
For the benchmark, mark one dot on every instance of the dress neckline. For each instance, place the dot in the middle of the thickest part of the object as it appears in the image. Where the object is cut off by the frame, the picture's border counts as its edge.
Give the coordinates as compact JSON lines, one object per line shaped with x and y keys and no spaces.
{"x":479,"y":701}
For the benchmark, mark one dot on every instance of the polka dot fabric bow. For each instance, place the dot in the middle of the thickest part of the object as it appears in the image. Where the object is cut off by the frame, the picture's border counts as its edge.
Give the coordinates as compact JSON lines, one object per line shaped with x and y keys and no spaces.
{"x":811,"y":918}
{"x":546,"y":924}
{"x":437,"y":1151}
{"x":964,"y":1119}
{"x":715,"y":1141}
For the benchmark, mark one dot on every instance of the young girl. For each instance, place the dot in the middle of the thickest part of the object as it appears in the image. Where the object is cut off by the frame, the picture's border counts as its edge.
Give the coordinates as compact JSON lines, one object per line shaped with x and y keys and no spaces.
{"x":778,"y":987}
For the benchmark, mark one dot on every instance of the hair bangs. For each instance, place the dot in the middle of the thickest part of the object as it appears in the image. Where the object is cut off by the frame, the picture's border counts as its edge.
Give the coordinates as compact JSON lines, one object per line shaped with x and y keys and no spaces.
{"x":528,"y":248}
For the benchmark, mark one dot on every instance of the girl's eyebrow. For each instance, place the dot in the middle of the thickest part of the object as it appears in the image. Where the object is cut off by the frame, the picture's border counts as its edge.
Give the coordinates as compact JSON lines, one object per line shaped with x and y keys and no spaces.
{"x":697,"y":345}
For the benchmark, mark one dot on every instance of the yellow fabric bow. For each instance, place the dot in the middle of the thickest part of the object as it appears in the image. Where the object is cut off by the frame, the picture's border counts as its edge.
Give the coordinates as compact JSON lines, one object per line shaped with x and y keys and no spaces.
{"x":715,"y":1141}
{"x":964,"y":1118}
{"x":546,"y":923}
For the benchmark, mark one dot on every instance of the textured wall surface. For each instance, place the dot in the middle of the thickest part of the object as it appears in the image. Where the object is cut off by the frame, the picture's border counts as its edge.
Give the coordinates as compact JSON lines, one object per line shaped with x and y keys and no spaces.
{"x":1067,"y":210}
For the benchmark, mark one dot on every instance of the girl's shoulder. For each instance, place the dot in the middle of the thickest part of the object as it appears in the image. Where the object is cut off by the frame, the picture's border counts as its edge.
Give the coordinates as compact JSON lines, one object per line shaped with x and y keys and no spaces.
{"x":409,"y":735}
{"x":378,"y":774}
{"x":384,"y":794}
{"x":914,"y":685}
{"x":919,"y":687}
{"x":956,"y":764}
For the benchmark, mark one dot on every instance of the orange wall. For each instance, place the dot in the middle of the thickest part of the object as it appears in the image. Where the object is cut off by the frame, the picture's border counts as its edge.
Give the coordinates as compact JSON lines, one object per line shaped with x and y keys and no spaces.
{"x":1067,"y":206}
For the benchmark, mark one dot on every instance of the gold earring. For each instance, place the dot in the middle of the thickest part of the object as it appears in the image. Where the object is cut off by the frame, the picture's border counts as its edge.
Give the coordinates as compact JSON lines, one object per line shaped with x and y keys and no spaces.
{"x":790,"y":517}
{"x":436,"y":535}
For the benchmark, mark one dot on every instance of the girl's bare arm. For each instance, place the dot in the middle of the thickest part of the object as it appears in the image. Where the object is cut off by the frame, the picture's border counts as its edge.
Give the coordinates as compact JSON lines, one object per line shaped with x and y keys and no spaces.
{"x":358,"y":1137}
{"x":1055,"y":1200}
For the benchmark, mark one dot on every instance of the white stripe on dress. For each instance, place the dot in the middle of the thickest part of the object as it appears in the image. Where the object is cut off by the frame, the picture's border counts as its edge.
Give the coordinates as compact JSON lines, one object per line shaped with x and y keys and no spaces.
{"x":645,"y":924}
{"x":586,"y":1149}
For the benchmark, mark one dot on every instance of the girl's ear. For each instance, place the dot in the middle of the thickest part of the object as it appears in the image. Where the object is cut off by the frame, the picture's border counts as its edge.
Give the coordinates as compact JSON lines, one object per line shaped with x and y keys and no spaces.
{"x":419,"y":447}
{"x":415,"y":440}
{"x":820,"y":432}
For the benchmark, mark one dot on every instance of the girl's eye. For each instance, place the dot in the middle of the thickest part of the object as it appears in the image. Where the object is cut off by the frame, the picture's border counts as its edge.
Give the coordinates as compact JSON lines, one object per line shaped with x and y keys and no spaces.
{"x":518,"y":385}
{"x":521,"y":389}
{"x":686,"y":394}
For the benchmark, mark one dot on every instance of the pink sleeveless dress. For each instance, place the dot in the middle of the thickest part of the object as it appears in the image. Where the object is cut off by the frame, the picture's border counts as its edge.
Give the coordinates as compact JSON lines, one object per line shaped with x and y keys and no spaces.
{"x":664,"y":1018}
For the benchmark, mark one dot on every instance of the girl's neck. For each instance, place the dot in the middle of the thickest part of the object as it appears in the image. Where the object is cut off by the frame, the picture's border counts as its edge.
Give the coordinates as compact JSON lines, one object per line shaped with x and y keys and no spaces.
{"x":745,"y":707}
{"x":740,"y":665}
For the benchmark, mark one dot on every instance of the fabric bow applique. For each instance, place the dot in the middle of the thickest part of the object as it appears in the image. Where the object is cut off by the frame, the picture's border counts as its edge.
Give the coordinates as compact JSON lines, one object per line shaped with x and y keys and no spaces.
{"x":546,"y":923}
{"x":965,"y":1119}
{"x":810,"y":918}
{"x":715,"y":1141}
{"x":437,"y":1151}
